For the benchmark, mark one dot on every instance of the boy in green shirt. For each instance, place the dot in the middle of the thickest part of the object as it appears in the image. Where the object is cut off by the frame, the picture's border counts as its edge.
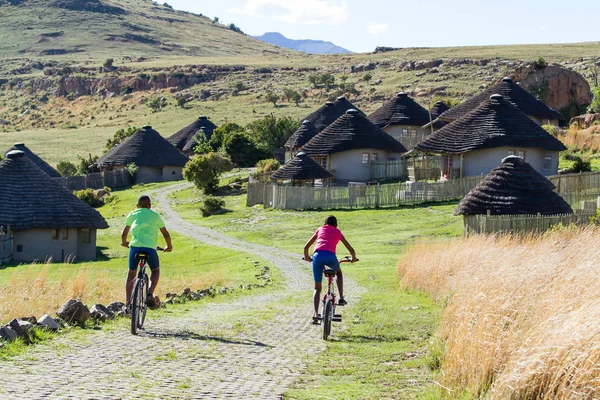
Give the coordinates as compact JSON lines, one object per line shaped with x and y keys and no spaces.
{"x":144,"y":225}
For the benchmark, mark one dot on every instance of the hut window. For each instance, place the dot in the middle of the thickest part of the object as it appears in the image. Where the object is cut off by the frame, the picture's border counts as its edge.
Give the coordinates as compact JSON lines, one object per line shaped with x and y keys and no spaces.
{"x":522,"y":154}
{"x":548,"y":162}
{"x":375,"y":157}
{"x":405,"y":132}
{"x":55,"y":234}
{"x":19,"y":248}
{"x":365,"y":158}
{"x":65,"y":234}
{"x":86,"y":236}
{"x":511,"y":152}
{"x":413,"y":132}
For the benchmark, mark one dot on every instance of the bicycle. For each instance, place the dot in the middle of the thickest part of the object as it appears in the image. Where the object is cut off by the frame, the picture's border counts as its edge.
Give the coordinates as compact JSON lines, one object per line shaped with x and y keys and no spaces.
{"x":330,"y":301}
{"x":140,"y":294}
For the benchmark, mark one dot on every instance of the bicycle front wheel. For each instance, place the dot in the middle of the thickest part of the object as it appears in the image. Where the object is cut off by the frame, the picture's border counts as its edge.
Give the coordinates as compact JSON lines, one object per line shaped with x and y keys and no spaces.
{"x":138,"y":312}
{"x":327,"y":316}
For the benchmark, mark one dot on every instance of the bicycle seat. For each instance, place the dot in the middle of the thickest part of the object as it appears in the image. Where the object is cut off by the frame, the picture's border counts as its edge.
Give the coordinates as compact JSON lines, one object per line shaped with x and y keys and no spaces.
{"x":329,"y":272}
{"x":141,"y":256}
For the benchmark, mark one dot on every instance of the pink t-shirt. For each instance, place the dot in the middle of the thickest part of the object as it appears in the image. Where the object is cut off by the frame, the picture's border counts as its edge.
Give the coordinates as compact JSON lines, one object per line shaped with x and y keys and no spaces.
{"x":327,"y":238}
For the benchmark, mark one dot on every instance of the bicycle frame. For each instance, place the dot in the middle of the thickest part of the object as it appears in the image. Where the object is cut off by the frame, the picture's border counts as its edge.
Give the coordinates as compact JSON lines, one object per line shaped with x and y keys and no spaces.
{"x":139,"y":296}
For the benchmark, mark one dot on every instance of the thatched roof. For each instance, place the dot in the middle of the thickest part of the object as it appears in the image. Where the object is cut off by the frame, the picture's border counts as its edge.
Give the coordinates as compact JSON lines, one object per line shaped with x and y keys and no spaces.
{"x":351,"y":131}
{"x":301,"y":168}
{"x":438,"y":108}
{"x":520,"y":97}
{"x":494,"y":123}
{"x":43,"y":165}
{"x":185,"y":136}
{"x":400,"y":110}
{"x":193,"y":142}
{"x":31,"y":199}
{"x":329,"y":112}
{"x":145,"y":148}
{"x":303,"y":134}
{"x":514,"y":187}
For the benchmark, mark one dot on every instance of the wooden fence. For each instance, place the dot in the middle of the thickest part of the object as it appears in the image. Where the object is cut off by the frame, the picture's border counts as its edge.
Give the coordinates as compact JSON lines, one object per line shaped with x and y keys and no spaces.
{"x":6,"y":239}
{"x":361,"y":196}
{"x":389,"y":170}
{"x":98,"y":180}
{"x":523,"y":223}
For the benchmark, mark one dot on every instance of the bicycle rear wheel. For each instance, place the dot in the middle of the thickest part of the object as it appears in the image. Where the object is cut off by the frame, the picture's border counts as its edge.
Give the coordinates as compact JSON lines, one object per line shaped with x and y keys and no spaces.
{"x":138,"y":311}
{"x":327,"y":316}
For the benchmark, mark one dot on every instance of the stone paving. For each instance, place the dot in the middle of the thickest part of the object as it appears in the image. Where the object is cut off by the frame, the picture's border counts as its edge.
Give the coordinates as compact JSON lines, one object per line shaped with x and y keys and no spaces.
{"x":252,"y":347}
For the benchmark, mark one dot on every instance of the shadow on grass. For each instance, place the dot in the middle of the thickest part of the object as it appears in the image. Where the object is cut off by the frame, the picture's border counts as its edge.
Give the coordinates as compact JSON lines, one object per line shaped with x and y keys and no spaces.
{"x":100,"y":253}
{"x":368,"y":339}
{"x":414,"y":206}
{"x":186,"y":335}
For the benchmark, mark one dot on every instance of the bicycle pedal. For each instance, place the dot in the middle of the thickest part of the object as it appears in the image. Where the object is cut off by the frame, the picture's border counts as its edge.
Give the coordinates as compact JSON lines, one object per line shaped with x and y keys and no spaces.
{"x":337,"y":319}
{"x":337,"y":315}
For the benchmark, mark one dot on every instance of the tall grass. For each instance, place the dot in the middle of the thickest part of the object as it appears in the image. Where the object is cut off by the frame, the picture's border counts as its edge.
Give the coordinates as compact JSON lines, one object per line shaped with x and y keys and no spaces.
{"x":582,"y":139}
{"x":521,"y":317}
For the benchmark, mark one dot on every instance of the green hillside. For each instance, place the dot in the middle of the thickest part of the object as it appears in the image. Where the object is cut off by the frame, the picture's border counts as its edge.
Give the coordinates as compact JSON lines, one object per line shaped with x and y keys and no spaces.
{"x":94,"y":29}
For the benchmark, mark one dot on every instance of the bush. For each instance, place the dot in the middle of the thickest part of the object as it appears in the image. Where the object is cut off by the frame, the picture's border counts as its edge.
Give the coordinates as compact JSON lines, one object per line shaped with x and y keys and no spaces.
{"x":120,"y":136}
{"x":86,"y":165}
{"x":66,"y":168}
{"x":272,"y":131}
{"x":132,"y":171}
{"x":581,"y":165}
{"x":245,"y":152}
{"x":204,"y":170}
{"x":108,"y":63}
{"x":541,"y":63}
{"x":212,"y":205}
{"x":89,"y":197}
{"x":268,"y":165}
{"x":221,"y":134}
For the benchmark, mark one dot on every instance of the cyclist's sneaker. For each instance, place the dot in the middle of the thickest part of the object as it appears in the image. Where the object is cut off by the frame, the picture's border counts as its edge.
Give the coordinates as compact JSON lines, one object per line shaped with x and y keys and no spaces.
{"x":153,"y":302}
{"x":342,"y":302}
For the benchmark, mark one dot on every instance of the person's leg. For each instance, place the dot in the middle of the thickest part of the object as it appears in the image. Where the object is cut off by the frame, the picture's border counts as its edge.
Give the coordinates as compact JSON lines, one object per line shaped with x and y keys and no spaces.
{"x":340,"y":282}
{"x":131,"y":275}
{"x":317,"y":266}
{"x":317,"y":298}
{"x":154,"y":277}
{"x":154,"y":264}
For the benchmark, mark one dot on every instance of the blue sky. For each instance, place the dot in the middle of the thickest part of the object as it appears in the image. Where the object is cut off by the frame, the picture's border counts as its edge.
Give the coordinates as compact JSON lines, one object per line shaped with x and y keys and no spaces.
{"x":360,"y":25}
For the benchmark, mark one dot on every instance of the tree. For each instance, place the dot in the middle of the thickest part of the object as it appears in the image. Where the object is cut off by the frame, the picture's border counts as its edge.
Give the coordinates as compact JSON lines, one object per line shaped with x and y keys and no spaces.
{"x":182,"y":101}
{"x":157,"y":103}
{"x":296,"y":98}
{"x":288,"y":93}
{"x":244,"y":152}
{"x":328,"y":80}
{"x":272,"y":98}
{"x":221,"y":133}
{"x":267,"y":165}
{"x":594,"y":107}
{"x":272,"y":131}
{"x":86,"y":165}
{"x":215,"y":20}
{"x":367,"y":77}
{"x":66,"y":168}
{"x":314,"y":79}
{"x":120,"y":136}
{"x":202,"y":144}
{"x":108,"y":63}
{"x":203,"y":171}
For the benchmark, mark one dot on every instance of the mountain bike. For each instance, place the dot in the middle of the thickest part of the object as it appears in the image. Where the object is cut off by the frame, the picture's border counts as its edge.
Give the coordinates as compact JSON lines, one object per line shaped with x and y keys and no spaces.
{"x":140,"y":294}
{"x":330,"y":301}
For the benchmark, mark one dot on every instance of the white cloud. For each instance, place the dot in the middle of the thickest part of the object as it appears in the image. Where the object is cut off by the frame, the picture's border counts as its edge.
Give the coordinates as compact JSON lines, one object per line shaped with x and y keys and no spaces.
{"x":296,"y":11}
{"x":378,"y":29}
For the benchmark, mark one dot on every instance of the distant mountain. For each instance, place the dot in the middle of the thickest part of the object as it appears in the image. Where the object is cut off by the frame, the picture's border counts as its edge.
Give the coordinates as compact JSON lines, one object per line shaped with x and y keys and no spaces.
{"x":305,"y":46}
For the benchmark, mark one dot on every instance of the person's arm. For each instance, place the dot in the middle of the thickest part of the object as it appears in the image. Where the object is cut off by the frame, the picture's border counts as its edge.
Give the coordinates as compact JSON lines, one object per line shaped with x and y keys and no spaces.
{"x":312,"y":240}
{"x":167,"y":237}
{"x":124,"y":234}
{"x":350,"y":249}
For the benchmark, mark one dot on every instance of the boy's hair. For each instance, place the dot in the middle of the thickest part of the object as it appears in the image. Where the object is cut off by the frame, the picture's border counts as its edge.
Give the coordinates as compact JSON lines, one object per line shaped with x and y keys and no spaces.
{"x":144,"y":201}
{"x":331,"y":220}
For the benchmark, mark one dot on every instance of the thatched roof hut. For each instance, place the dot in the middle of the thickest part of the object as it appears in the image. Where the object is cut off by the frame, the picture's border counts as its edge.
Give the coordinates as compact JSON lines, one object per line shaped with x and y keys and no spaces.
{"x":31,"y":199}
{"x":185,"y":139}
{"x":521,"y":98}
{"x":303,"y":134}
{"x":329,"y":112}
{"x":301,"y":168}
{"x":349,"y":132}
{"x":514,"y":187}
{"x":145,"y":148}
{"x":438,"y":108}
{"x":400,"y":110}
{"x":494,"y":123}
{"x":43,"y":165}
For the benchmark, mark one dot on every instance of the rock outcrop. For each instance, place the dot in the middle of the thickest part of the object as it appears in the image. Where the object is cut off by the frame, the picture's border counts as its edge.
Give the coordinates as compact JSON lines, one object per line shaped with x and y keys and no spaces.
{"x":586,"y":120}
{"x":560,"y":88}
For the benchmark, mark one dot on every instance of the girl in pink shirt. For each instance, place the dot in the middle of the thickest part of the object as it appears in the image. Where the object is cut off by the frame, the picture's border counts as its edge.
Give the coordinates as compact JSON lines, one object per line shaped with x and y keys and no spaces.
{"x":326,"y":237}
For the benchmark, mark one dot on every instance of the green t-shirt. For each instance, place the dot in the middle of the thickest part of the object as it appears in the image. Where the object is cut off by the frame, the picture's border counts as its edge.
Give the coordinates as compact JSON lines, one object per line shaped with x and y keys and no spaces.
{"x":145,"y":224}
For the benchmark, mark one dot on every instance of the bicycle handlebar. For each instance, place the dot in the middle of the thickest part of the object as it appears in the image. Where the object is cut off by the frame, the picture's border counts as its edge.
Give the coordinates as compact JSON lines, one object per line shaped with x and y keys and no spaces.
{"x":341,"y":260}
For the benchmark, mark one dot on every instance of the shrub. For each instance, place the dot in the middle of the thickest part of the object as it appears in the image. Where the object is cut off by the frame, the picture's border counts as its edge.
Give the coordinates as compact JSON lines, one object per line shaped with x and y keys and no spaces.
{"x":89,"y":197}
{"x":66,"y":168}
{"x":204,"y":170}
{"x":108,"y":63}
{"x":132,"y":171}
{"x":86,"y":165}
{"x":120,"y":136}
{"x":244,"y":152}
{"x":221,"y":133}
{"x":541,"y":63}
{"x":182,"y":101}
{"x":267,"y":165}
{"x":272,"y":131}
{"x":157,"y":103}
{"x":581,"y":165}
{"x":126,"y":89}
{"x":211,"y":205}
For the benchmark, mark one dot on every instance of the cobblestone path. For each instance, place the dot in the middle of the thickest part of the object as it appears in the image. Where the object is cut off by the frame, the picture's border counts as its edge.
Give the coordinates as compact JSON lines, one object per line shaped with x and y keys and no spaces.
{"x":251,"y":347}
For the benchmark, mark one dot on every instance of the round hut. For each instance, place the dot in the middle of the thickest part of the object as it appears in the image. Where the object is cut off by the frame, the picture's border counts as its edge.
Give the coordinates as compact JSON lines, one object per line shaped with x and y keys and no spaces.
{"x":305,"y":132}
{"x":301,"y":170}
{"x":513,"y":188}
{"x":157,"y":159}
{"x":43,"y":165}
{"x":185,"y":139}
{"x":46,"y":220}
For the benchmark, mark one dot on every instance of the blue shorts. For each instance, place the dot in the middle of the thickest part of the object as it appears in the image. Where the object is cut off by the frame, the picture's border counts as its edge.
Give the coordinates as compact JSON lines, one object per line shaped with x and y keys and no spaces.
{"x":321,"y":259}
{"x":153,"y":262}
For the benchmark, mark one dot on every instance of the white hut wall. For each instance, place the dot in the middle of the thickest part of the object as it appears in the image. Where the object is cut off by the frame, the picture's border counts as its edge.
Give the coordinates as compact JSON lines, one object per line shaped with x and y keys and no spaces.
{"x":149,"y":175}
{"x":408,"y":135}
{"x":483,"y":161}
{"x":172,"y":174}
{"x":86,"y":244}
{"x":349,"y":166}
{"x":37,"y":244}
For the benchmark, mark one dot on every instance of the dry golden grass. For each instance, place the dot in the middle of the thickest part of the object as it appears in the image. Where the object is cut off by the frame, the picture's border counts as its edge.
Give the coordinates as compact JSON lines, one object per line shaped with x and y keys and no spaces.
{"x":582,"y":139}
{"x":522,"y":315}
{"x":33,"y":293}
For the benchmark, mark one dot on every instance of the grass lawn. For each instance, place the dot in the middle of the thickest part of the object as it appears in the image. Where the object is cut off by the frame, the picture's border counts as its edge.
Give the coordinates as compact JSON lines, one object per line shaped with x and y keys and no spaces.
{"x":35,"y":289}
{"x":381,"y":350}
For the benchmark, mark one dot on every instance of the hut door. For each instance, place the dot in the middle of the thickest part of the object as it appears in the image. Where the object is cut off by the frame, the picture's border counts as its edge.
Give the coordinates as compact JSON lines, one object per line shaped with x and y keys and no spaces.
{"x":447,"y":166}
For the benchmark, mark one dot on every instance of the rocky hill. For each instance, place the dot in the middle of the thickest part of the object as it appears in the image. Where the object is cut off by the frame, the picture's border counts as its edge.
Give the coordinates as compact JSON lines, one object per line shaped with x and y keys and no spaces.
{"x":87,"y":29}
{"x":305,"y":46}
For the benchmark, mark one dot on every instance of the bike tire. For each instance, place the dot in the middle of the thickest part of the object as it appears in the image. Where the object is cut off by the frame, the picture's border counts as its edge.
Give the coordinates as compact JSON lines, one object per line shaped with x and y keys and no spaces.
{"x":135,"y":307}
{"x":327,"y":316}
{"x":143,"y":304}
